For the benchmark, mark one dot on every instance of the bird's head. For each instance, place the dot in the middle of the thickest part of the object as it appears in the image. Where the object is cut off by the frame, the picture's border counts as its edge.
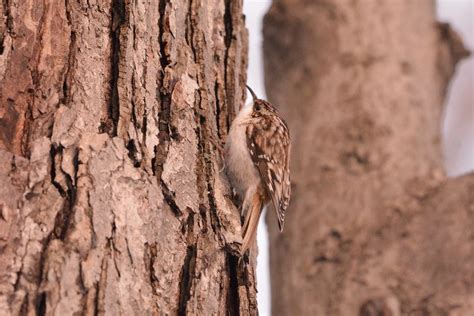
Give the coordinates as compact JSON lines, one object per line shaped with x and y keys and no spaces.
{"x":261,"y":106}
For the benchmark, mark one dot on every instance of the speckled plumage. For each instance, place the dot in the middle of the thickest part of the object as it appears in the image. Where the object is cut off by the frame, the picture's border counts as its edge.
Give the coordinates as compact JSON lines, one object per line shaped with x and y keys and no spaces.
{"x":257,"y":154}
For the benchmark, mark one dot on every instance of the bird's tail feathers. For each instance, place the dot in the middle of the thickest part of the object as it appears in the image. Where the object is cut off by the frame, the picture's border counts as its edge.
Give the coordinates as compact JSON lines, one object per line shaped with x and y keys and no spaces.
{"x":251,"y":217}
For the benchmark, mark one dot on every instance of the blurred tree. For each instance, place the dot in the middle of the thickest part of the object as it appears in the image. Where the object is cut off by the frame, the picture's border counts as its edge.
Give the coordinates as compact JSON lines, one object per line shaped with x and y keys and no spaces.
{"x":110,"y":199}
{"x":374,"y":227}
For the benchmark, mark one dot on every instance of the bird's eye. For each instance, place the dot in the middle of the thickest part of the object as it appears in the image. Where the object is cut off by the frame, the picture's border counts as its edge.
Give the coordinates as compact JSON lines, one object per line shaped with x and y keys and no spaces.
{"x":256,"y":106}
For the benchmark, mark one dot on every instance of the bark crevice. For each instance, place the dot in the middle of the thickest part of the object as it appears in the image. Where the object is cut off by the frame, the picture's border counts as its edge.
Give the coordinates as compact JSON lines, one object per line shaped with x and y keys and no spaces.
{"x":70,"y":65}
{"x":186,"y":278}
{"x":189,"y":32}
{"x":119,"y":18}
{"x":41,"y":304}
{"x":67,"y":188}
{"x":229,"y":29}
{"x":233,"y":297}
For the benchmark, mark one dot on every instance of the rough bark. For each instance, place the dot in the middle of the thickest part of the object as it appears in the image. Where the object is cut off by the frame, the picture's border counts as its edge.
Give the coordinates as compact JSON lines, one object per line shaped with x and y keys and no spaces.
{"x":112,"y":199}
{"x":374,"y":227}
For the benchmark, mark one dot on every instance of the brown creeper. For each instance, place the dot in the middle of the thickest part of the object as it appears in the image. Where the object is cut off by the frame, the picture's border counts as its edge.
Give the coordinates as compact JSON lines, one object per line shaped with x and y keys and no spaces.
{"x":257,"y":155}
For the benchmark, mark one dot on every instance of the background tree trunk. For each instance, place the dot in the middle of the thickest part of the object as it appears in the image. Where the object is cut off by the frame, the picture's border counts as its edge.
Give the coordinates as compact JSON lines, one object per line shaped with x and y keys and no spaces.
{"x":111,"y":197}
{"x":375,"y":228}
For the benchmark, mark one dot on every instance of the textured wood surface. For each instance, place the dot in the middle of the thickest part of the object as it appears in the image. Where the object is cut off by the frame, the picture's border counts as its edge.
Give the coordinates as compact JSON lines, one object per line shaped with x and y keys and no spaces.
{"x":112,"y":200}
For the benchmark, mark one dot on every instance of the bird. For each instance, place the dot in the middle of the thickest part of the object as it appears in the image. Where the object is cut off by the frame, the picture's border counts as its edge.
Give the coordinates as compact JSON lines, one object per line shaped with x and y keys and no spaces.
{"x":257,"y":160}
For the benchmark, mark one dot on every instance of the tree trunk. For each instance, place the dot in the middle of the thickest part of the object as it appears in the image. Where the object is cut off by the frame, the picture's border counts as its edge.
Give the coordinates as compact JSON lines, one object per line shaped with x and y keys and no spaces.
{"x":375,"y":228}
{"x":112,"y":199}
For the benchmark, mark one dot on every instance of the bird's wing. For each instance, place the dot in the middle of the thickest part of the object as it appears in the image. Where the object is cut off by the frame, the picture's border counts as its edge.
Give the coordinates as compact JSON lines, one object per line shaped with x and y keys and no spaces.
{"x":269,"y":146}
